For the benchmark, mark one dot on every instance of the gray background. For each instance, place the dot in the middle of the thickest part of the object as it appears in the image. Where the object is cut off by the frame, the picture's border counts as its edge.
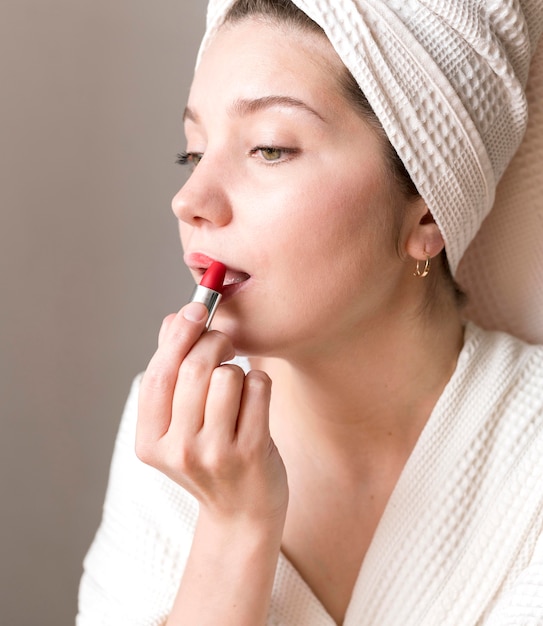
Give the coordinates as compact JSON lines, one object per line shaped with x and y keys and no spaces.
{"x":92,"y":93}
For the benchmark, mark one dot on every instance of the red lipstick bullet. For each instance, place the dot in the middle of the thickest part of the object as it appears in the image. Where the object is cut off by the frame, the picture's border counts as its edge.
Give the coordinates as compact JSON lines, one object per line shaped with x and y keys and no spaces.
{"x":209,"y":291}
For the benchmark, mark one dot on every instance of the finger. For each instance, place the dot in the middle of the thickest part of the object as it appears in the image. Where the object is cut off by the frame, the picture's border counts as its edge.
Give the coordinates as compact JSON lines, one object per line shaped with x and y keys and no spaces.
{"x":253,"y":418}
{"x":158,"y":383}
{"x":166,"y":323}
{"x":223,"y":403}
{"x":193,"y":380}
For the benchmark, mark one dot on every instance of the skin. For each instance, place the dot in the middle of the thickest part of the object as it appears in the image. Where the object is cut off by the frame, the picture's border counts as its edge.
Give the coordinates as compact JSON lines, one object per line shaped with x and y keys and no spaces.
{"x":330,"y":312}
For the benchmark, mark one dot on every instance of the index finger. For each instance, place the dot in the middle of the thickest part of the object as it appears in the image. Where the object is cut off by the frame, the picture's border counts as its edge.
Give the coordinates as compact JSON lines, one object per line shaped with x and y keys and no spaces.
{"x":158,"y":382}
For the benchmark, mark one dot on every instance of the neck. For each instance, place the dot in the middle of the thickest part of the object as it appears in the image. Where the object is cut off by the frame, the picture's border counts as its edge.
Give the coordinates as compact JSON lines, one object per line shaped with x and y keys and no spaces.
{"x":367,"y":399}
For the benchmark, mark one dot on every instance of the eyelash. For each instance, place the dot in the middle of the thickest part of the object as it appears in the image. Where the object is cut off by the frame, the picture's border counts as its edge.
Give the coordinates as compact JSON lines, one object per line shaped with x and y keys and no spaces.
{"x":189,"y":158}
{"x":193,"y":158}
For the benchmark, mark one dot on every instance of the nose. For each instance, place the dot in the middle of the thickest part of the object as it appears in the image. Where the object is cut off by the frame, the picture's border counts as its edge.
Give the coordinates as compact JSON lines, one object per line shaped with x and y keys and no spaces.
{"x":203,"y":198}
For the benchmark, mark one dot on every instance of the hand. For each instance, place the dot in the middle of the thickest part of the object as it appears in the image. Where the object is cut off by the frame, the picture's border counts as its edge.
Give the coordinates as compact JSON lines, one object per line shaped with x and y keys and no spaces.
{"x":206,"y":425}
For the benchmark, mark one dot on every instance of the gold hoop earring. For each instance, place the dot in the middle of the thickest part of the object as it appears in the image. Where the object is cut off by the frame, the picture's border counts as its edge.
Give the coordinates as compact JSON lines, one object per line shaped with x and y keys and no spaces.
{"x":422,"y":273}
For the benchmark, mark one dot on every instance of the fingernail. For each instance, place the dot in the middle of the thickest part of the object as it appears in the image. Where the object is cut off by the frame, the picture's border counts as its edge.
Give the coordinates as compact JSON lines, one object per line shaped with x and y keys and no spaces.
{"x":195,"y":312}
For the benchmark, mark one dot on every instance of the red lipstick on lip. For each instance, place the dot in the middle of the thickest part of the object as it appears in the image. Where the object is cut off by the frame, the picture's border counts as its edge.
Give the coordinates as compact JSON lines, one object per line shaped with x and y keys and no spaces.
{"x":209,"y":291}
{"x":214,"y":276}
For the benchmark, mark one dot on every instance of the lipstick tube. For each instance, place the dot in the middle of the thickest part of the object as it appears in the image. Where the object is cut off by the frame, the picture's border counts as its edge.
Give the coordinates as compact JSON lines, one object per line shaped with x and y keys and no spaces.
{"x":209,"y":291}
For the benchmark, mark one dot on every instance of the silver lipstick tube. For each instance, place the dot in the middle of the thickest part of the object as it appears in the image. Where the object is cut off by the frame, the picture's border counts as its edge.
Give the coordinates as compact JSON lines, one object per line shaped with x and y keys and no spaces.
{"x":209,"y":297}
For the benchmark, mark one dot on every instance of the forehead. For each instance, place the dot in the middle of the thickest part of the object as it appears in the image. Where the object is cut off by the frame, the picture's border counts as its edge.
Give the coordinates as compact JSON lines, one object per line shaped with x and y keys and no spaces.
{"x":247,"y":59}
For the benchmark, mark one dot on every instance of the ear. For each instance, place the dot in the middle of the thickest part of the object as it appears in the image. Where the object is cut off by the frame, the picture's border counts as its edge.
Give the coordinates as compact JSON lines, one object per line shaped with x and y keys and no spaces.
{"x":424,"y":238}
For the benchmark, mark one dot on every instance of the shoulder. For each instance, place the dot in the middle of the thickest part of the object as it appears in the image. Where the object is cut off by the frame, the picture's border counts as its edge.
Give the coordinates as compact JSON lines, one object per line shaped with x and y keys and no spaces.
{"x":489,"y":419}
{"x":503,"y":368}
{"x":497,"y":345}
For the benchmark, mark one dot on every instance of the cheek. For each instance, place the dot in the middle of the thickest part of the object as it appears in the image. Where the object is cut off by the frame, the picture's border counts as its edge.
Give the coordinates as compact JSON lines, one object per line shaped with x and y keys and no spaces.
{"x":343,"y":245}
{"x":341,"y":216}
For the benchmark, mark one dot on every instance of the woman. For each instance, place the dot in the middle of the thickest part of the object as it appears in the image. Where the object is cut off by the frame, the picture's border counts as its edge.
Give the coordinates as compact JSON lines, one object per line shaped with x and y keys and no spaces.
{"x":392,"y":473}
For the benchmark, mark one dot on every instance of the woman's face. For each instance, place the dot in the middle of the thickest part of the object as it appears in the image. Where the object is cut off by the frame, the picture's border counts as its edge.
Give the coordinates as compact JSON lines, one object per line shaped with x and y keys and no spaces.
{"x":291,"y":190}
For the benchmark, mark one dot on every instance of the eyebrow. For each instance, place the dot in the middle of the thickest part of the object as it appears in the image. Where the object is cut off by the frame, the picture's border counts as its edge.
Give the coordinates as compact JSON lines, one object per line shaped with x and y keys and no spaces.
{"x":248,"y":106}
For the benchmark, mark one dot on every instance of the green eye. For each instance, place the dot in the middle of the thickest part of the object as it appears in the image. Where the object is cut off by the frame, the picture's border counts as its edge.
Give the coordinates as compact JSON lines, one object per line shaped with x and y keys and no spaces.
{"x":274,"y":155}
{"x":271,"y":154}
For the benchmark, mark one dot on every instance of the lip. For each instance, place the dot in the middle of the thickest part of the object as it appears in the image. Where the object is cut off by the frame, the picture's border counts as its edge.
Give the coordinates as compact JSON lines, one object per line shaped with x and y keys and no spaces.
{"x":198,"y":262}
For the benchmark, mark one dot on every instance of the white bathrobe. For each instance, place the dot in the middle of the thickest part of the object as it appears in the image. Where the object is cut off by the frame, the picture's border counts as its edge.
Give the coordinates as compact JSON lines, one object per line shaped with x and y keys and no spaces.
{"x":460,"y":542}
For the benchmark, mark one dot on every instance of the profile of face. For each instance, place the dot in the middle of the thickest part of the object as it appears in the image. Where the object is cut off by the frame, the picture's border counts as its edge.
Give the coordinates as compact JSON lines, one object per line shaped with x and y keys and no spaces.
{"x":291,"y":189}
